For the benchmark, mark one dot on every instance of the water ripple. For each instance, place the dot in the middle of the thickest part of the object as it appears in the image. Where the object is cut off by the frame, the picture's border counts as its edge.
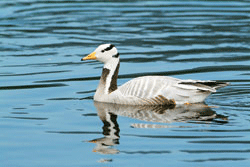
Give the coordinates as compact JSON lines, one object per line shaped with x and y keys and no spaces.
{"x":31,"y":86}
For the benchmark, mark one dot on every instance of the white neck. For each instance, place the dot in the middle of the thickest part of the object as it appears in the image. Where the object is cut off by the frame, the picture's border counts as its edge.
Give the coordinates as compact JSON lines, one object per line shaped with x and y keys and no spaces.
{"x":108,"y":81}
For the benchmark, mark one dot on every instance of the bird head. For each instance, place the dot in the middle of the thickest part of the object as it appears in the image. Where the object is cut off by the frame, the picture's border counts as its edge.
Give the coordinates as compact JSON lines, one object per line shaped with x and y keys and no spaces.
{"x":103,"y":53}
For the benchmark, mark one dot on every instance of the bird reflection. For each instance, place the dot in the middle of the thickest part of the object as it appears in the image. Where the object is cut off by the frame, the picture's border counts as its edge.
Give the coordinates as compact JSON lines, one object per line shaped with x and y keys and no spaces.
{"x":111,"y":131}
{"x":108,"y":113}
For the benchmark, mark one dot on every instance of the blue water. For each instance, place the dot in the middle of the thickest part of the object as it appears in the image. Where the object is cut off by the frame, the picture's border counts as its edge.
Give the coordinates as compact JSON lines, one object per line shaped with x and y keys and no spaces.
{"x":47,"y":113}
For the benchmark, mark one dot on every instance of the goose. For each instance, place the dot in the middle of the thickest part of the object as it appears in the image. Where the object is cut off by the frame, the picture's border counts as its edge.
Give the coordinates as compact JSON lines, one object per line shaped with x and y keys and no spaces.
{"x":146,"y":90}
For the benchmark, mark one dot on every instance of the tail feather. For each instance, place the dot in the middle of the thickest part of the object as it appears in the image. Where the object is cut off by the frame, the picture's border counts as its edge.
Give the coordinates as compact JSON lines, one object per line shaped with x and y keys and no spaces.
{"x":205,"y":85}
{"x":214,"y":84}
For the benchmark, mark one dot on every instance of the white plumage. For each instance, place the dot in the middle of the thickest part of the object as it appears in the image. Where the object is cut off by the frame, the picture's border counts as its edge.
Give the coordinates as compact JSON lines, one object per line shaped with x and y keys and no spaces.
{"x":147,"y":90}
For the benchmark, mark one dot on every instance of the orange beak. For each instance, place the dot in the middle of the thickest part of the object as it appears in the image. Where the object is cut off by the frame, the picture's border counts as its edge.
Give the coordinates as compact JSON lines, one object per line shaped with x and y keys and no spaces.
{"x":91,"y":56}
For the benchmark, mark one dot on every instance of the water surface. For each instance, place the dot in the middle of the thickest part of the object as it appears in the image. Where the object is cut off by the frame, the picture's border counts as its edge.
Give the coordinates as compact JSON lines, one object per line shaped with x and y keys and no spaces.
{"x":47,"y":114}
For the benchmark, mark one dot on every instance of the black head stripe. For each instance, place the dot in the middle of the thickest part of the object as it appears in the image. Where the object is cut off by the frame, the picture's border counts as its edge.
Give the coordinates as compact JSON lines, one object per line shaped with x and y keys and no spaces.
{"x":116,"y":55}
{"x":108,"y":48}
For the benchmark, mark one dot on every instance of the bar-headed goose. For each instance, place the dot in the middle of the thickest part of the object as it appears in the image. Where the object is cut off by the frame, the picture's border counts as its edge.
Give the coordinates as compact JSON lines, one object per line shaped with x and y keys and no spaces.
{"x":147,"y":90}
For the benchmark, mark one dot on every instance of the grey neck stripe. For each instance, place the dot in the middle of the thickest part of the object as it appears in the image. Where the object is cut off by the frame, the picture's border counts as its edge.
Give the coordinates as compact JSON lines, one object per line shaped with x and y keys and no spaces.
{"x":113,"y":84}
{"x":105,"y":73}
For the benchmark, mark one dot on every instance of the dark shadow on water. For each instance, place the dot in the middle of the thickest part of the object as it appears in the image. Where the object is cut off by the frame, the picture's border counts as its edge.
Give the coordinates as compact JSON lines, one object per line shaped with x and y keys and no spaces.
{"x":31,"y":86}
{"x":27,"y":118}
{"x":154,"y":115}
{"x":218,"y":159}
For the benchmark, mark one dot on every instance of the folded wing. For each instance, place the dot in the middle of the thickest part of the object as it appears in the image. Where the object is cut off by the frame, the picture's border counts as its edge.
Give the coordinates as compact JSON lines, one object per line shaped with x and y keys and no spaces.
{"x":161,"y":90}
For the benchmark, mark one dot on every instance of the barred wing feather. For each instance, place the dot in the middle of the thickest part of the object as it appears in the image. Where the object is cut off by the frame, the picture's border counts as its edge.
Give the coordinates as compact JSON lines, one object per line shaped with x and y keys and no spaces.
{"x":161,"y":89}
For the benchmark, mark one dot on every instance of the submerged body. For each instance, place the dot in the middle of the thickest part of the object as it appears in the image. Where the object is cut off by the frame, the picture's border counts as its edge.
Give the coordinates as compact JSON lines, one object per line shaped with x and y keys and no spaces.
{"x":147,"y":90}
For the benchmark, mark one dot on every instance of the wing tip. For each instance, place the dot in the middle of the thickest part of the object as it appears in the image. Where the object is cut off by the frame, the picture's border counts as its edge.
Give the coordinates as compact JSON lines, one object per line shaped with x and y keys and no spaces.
{"x":221,"y":84}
